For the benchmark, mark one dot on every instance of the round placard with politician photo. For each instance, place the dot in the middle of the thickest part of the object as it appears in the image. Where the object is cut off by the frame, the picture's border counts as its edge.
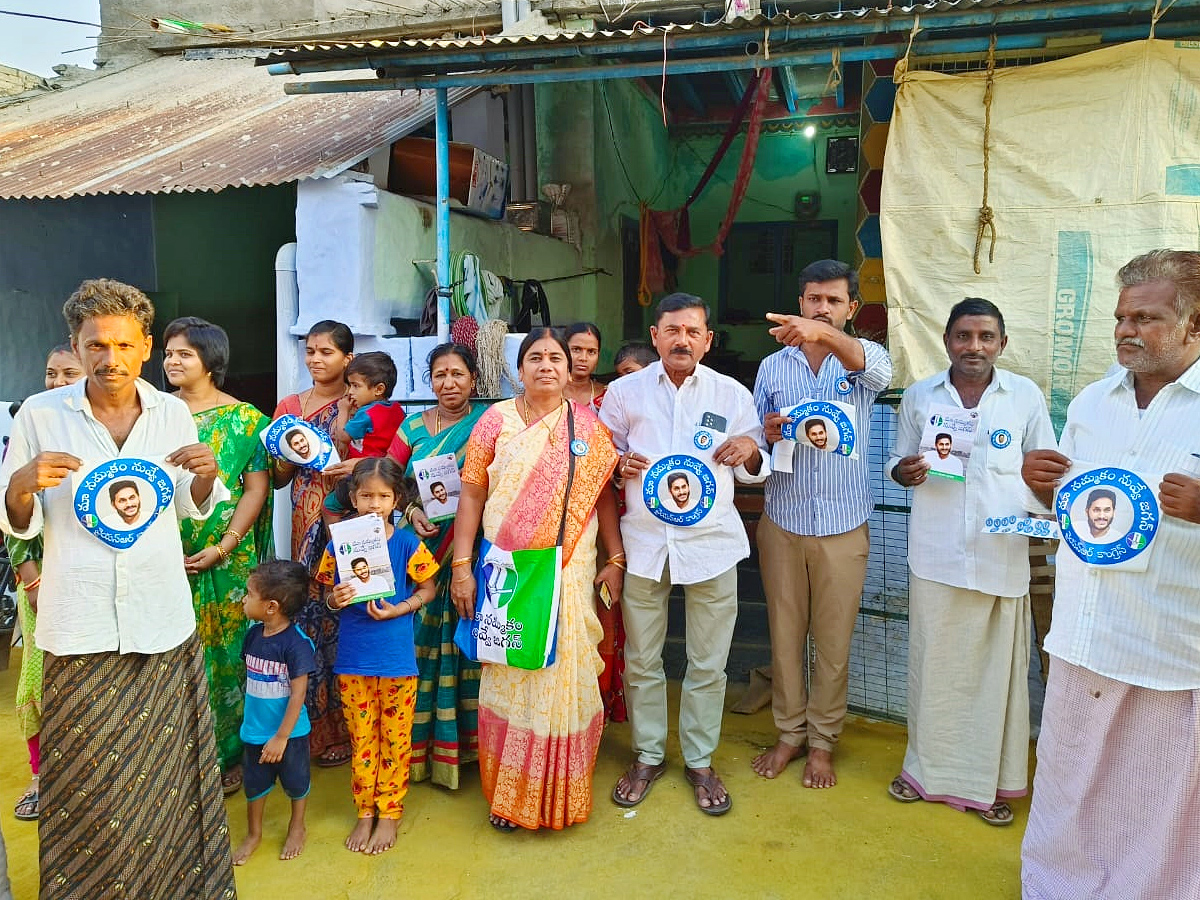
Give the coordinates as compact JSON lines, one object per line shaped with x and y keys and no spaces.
{"x":1108,"y":516}
{"x":118,"y":500}
{"x":679,"y":490}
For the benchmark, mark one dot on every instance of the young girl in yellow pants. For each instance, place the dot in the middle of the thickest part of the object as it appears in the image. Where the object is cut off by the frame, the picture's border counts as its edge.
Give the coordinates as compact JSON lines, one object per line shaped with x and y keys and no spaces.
{"x":376,"y":663}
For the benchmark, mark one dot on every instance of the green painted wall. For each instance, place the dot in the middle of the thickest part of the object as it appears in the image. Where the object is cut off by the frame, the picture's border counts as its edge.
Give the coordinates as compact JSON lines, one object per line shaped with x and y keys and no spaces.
{"x":215,"y":256}
{"x":577,"y":123}
{"x":782,"y":168}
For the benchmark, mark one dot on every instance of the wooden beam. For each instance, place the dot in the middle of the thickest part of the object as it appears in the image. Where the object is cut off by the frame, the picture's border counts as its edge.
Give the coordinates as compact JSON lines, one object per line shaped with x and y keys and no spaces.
{"x":787,"y":83}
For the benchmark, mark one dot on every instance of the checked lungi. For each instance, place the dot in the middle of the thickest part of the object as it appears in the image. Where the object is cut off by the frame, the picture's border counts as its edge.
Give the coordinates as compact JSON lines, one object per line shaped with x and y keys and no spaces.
{"x":1116,"y":794}
{"x":130,"y":787}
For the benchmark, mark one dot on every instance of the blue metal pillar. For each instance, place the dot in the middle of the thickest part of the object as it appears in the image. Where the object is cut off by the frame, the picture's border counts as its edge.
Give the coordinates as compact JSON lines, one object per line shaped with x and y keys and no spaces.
{"x":442,"y":156}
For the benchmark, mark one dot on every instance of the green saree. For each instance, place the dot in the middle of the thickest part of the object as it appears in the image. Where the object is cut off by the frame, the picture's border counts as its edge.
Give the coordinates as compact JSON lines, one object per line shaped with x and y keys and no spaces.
{"x":233,"y":433}
{"x":29,"y":682}
{"x":445,"y":733}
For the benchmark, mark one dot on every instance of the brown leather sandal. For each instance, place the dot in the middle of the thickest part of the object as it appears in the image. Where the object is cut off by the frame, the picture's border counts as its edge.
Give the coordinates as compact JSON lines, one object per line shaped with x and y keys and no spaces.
{"x":709,"y":782}
{"x":638,"y":773}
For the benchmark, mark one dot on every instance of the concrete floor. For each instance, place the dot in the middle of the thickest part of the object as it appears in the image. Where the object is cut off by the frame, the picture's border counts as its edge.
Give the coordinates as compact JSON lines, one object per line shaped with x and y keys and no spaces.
{"x":779,"y":841}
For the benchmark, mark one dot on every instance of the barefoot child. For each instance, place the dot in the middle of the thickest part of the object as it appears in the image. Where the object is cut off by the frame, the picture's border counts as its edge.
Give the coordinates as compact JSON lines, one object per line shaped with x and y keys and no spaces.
{"x":376,"y":661}
{"x":279,"y":658}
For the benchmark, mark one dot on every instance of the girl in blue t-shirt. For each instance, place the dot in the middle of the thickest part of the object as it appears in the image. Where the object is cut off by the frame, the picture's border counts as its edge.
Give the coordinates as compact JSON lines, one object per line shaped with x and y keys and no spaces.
{"x":376,"y":663}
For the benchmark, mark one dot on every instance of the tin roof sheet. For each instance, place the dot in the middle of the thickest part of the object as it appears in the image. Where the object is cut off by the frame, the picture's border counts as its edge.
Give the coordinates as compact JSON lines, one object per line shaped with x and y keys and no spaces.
{"x":311,"y":50}
{"x":168,"y":125}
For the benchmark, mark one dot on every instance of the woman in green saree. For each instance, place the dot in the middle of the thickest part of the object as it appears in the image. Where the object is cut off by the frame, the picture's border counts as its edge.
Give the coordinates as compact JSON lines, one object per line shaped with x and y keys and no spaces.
{"x":221,"y":552}
{"x":445,"y":724}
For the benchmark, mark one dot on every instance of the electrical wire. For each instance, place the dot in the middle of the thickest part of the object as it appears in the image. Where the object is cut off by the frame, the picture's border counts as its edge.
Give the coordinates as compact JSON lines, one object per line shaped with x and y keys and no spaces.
{"x":25,"y":15}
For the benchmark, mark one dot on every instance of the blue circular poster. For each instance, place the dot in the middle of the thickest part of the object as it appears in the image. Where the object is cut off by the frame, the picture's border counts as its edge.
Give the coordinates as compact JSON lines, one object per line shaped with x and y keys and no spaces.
{"x":841,"y":423}
{"x":679,"y":489}
{"x":118,"y":500}
{"x":300,"y":443}
{"x":1107,"y":515}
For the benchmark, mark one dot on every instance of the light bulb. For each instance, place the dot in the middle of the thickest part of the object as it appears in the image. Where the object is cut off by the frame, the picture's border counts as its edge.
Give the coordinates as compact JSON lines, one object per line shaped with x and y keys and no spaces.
{"x":810,"y":130}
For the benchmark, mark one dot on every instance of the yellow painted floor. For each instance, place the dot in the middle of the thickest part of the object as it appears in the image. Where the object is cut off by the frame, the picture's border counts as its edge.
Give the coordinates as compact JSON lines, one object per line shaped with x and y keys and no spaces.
{"x":779,"y":840}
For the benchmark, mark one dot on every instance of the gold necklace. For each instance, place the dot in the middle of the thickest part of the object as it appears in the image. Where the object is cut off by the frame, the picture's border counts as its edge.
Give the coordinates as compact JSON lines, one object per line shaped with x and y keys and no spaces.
{"x":549,"y":429}
{"x":437,"y":417}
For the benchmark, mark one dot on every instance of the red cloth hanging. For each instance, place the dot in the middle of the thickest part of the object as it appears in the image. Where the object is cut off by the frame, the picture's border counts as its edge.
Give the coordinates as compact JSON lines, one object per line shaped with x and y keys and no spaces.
{"x":671,"y":226}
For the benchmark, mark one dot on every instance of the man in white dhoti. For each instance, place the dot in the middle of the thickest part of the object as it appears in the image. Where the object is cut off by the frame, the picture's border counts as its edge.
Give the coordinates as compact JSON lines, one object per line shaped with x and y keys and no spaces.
{"x":1117,"y":790}
{"x":968,"y":644}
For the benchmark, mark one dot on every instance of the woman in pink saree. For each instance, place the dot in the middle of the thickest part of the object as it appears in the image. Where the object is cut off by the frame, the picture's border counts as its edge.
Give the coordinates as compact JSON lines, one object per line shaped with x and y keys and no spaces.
{"x":539,"y":730}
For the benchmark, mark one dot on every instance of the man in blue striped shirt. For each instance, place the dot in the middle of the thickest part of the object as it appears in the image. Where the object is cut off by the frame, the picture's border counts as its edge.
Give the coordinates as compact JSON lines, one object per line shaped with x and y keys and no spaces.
{"x":812,"y":538}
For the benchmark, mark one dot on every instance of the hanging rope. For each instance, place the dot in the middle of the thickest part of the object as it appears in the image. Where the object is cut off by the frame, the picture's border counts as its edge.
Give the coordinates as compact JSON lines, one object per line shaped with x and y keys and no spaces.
{"x":1159,"y":12}
{"x":493,"y":364}
{"x":902,"y":65}
{"x":987,"y":220}
{"x":834,"y":81}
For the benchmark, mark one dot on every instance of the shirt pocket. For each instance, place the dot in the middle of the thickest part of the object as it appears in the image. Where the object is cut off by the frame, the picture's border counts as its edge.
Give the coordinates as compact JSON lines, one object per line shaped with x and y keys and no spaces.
{"x":1002,"y":449}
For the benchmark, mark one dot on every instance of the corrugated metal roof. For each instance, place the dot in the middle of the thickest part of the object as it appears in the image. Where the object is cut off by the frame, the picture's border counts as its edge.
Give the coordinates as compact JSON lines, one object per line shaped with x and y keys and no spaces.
{"x":321,"y":49}
{"x":168,"y":125}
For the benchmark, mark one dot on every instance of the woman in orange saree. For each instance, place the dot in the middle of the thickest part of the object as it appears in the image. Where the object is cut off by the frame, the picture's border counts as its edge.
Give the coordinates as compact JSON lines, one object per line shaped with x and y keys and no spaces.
{"x":539,"y":730}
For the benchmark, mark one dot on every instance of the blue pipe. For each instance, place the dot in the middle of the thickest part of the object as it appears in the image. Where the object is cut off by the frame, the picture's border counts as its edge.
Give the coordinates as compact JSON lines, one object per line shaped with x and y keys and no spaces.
{"x":722,"y":64}
{"x":778,"y":35}
{"x":442,"y":157}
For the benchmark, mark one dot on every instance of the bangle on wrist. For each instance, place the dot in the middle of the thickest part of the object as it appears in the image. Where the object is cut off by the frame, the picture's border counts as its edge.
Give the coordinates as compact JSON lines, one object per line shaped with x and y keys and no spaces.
{"x":236,"y":535}
{"x":33,"y":584}
{"x":461,"y":561}
{"x":222,"y":552}
{"x":330,"y":606}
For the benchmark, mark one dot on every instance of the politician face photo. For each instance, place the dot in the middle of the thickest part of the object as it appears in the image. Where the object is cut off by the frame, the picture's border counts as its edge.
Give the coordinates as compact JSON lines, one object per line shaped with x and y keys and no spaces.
{"x":680,"y":489}
{"x":438,"y":490}
{"x":943,"y":444}
{"x":1102,"y":504}
{"x":297,"y":440}
{"x":127,"y":504}
{"x":817,"y":434}
{"x":361,"y":569}
{"x":1102,"y":516}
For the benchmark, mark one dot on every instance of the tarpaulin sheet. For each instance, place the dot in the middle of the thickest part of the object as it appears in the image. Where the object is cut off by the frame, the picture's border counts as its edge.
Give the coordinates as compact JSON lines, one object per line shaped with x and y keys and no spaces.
{"x":1094,"y":159}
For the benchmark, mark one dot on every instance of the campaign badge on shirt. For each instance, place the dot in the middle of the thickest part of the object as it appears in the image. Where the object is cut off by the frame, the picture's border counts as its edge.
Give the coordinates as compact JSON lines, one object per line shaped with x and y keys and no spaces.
{"x":300,"y":443}
{"x":825,"y":425}
{"x":681,"y":489}
{"x":118,"y":500}
{"x":1108,"y":516}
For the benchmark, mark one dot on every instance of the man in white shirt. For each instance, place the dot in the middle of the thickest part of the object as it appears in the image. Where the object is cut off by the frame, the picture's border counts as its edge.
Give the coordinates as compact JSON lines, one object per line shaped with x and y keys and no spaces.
{"x":127,"y":734}
{"x":813,"y":536}
{"x":968,"y":598}
{"x":1117,"y":787}
{"x":678,"y":407}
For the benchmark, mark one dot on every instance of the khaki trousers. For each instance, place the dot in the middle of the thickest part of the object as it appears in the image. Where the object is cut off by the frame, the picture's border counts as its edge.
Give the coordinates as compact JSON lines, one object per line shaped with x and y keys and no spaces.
{"x":814,"y":587}
{"x":710,"y":608}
